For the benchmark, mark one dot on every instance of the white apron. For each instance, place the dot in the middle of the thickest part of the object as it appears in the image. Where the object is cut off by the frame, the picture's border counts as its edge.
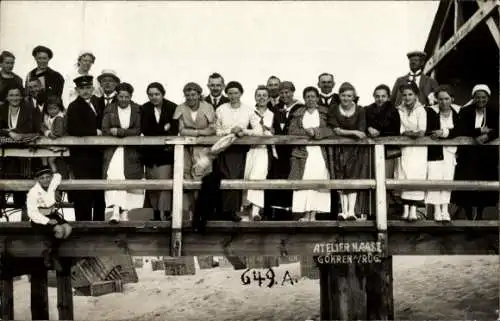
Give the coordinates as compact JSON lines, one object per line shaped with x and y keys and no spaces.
{"x":315,"y":169}
{"x":412,"y":164}
{"x":442,"y":169}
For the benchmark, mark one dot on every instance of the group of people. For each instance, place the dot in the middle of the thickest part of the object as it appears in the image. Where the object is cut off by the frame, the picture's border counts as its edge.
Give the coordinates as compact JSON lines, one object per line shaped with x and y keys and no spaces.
{"x":81,"y":105}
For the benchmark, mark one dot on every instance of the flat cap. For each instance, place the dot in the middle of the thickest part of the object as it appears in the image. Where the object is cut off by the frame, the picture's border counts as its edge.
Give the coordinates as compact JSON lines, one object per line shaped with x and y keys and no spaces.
{"x":42,"y":171}
{"x":39,"y":49}
{"x":416,"y":53}
{"x":83,"y":81}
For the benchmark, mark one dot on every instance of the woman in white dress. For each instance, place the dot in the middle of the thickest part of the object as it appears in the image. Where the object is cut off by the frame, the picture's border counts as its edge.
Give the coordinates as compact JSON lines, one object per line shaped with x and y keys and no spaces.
{"x":257,"y":161}
{"x":442,"y":122}
{"x":413,"y":162}
{"x":310,"y":162}
{"x":122,"y":119}
{"x":85,"y":61}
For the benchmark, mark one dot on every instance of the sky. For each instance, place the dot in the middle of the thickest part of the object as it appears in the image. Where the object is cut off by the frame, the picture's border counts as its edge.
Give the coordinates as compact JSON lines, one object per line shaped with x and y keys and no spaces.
{"x":363,"y":42}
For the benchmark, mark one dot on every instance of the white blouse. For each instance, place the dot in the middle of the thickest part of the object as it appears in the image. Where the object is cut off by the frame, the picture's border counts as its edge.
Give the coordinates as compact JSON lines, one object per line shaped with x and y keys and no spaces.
{"x":13,"y":118}
{"x":229,"y":117}
{"x":41,"y":202}
{"x":124,"y":116}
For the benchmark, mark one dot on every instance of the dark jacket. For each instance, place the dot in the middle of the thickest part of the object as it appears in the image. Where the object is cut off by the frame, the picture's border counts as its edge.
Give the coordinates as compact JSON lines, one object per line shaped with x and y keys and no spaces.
{"x":222,"y":100}
{"x":132,"y":161}
{"x":81,"y":119}
{"x":334,"y":101}
{"x":427,"y":85}
{"x":158,"y":155}
{"x":54,"y":81}
{"x":385,"y":119}
{"x":435,"y":153}
{"x":25,"y":124}
{"x":299,"y":153}
{"x":101,"y":102}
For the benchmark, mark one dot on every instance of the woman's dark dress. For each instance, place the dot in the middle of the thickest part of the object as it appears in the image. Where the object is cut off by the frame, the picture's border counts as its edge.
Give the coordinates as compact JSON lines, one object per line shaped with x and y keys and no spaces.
{"x":478,"y":163}
{"x":350,"y":162}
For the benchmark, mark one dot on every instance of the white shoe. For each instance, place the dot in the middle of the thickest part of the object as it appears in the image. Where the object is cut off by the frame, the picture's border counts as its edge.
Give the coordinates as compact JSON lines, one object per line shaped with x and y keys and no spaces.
{"x":124,"y":216}
{"x":445,"y":217}
{"x":115,"y":217}
{"x":406,"y":213}
{"x":351,"y":217}
{"x":438,"y":215}
{"x":413,"y":214}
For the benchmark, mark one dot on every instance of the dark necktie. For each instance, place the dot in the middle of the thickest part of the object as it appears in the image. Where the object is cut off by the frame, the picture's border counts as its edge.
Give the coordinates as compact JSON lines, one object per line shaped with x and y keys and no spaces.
{"x":215,"y":101}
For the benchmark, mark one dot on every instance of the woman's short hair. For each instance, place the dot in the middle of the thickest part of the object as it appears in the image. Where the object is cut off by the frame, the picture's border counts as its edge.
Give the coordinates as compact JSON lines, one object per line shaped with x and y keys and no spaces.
{"x":234,"y":84}
{"x":310,"y":89}
{"x":411,"y":86}
{"x":192,"y":86}
{"x":444,"y":88}
{"x":54,"y":100}
{"x":158,"y":86}
{"x":261,"y":87}
{"x":124,"y":86}
{"x":382,"y":87}
{"x":347,"y":86}
{"x":6,"y":54}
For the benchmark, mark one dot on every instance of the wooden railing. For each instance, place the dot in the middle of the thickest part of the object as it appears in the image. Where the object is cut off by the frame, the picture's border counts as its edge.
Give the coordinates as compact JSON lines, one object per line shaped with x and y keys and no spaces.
{"x":380,"y":184}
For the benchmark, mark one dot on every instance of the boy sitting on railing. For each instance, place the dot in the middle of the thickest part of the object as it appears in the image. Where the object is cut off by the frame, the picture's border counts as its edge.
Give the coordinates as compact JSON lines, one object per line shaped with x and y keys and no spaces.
{"x":42,"y":204}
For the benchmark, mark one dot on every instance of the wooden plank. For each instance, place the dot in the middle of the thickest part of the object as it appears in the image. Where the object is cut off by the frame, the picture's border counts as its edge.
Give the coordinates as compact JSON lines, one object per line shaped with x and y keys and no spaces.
{"x":343,"y":292}
{"x":40,"y":152}
{"x":490,"y":22}
{"x":355,"y":184}
{"x":65,"y":291}
{"x":252,"y":140}
{"x":7,"y":301}
{"x":380,"y":290}
{"x":380,"y":191}
{"x":177,"y":198}
{"x":39,"y":294}
{"x":100,"y":288}
{"x":179,"y":265}
{"x":419,"y":238}
{"x":477,"y":18}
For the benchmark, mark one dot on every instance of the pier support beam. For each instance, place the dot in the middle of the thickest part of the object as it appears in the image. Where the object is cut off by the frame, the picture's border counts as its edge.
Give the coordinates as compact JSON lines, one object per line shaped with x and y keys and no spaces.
{"x":65,"y":291}
{"x":357,"y":291}
{"x":7,"y":303}
{"x":39,"y":292}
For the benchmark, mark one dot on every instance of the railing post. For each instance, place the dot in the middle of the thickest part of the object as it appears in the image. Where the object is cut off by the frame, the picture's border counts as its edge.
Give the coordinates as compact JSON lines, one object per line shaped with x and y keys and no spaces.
{"x":177,"y":196}
{"x":380,"y":190}
{"x":379,"y":283}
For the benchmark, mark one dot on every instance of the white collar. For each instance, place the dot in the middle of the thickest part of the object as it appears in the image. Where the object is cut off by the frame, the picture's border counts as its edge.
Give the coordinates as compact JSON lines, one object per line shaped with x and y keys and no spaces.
{"x":113,"y":94}
{"x":326,"y":96}
{"x":416,"y":74}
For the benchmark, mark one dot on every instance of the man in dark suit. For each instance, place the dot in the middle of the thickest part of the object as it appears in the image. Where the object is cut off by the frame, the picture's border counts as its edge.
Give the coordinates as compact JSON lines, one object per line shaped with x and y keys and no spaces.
{"x":326,"y":83}
{"x":84,"y":119}
{"x":273,"y":86}
{"x":36,"y":100}
{"x":278,"y":203}
{"x":108,"y":81}
{"x":426,"y":84}
{"x":216,"y":87}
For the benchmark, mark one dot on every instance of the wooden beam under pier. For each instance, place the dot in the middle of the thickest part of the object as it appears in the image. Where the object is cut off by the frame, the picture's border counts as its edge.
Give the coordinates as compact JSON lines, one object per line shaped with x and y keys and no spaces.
{"x":257,"y":239}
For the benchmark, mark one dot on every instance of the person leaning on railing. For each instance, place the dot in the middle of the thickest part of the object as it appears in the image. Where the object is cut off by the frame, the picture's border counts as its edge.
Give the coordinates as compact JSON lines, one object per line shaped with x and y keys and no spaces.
{"x":310,"y":162}
{"x":42,"y":210}
{"x":278,"y":203}
{"x":413,"y":161}
{"x":157,"y":120}
{"x":382,"y":119}
{"x":196,"y":118}
{"x":232,"y":118}
{"x":349,"y":162}
{"x":122,"y":119}
{"x":16,"y":122}
{"x":480,"y":121}
{"x":53,"y":125}
{"x":259,"y":157}
{"x":442,"y":122}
